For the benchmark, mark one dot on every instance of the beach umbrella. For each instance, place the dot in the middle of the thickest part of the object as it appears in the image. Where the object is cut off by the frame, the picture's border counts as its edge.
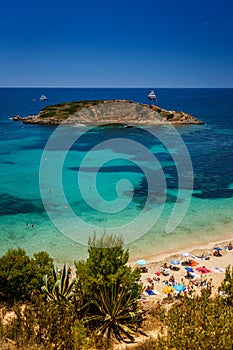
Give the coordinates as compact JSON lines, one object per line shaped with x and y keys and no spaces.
{"x":186,"y":254}
{"x":174,"y":262}
{"x":179,"y":287}
{"x":168,"y":290}
{"x":217,"y":248}
{"x":141,"y":262}
{"x":189,"y":269}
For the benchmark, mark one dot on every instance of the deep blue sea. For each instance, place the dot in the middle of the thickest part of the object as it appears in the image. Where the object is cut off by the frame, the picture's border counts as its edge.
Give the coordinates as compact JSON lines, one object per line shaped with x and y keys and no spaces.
{"x":71,"y":182}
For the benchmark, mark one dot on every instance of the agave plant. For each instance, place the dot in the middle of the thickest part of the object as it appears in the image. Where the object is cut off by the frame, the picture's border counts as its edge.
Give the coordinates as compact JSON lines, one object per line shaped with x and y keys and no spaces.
{"x":63,"y":289}
{"x":117,"y":316}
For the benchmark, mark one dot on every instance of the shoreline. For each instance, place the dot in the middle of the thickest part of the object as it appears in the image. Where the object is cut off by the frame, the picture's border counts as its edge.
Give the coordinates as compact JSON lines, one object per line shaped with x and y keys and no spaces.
{"x":171,"y":253}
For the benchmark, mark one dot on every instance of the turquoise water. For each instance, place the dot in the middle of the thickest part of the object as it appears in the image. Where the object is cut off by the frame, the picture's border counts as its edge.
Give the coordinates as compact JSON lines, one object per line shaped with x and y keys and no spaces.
{"x":120,"y":188}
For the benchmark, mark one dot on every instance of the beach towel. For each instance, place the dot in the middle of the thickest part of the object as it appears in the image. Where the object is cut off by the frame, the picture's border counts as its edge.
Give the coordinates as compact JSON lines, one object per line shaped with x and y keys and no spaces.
{"x":157,"y":273}
{"x":218,"y":269}
{"x":203,"y":270}
{"x":150,"y":292}
{"x":205,"y":258}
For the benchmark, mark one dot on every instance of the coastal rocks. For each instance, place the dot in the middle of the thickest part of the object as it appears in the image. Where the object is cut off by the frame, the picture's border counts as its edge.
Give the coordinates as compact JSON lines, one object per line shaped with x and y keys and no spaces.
{"x":30,"y":118}
{"x":107,"y":112}
{"x":16,"y":118}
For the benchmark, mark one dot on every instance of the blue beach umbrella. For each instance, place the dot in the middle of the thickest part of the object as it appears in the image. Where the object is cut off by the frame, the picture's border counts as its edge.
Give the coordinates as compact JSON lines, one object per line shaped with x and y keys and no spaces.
{"x":174,"y":262}
{"x":141,"y":262}
{"x":189,"y":269}
{"x":179,"y":287}
{"x":217,"y":248}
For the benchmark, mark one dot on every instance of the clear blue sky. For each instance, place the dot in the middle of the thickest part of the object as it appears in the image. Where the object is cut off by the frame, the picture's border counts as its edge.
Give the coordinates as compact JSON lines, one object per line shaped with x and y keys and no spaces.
{"x":146,"y":43}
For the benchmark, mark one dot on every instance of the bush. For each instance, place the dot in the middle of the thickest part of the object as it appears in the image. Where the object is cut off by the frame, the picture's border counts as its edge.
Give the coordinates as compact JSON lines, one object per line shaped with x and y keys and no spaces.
{"x":45,"y":326}
{"x":21,"y":275}
{"x":198,"y":323}
{"x":104,"y":267}
{"x":227,"y":285}
{"x":107,"y":291}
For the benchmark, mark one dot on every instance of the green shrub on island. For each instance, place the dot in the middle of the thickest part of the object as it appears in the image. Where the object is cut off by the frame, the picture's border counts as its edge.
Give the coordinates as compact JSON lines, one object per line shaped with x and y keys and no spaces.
{"x":21,"y":275}
{"x":66,"y":109}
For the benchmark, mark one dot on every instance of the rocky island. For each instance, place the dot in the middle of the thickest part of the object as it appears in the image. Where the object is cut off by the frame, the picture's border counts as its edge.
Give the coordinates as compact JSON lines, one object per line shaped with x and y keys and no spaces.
{"x":102,"y":112}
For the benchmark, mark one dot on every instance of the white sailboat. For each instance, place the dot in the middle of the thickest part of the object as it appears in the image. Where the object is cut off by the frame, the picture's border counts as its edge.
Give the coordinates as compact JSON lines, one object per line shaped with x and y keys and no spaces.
{"x":43,"y":98}
{"x":152,"y":96}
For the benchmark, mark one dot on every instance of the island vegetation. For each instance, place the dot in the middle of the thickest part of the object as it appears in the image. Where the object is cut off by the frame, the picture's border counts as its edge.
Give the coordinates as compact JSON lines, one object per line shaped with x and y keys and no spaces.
{"x":101,"y":112}
{"x":99,"y":306}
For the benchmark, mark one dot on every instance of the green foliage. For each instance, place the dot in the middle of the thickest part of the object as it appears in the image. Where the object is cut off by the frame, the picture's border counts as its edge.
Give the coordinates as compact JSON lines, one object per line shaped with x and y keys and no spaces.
{"x":106,"y":262}
{"x":227,"y":285}
{"x":63,"y":288}
{"x":83,"y":338}
{"x":107,"y":295}
{"x":194,"y":323}
{"x":107,"y":291}
{"x":43,"y":325}
{"x":21,"y":275}
{"x":104,"y":267}
{"x":66,"y":109}
{"x":117,"y":314}
{"x":43,"y":261}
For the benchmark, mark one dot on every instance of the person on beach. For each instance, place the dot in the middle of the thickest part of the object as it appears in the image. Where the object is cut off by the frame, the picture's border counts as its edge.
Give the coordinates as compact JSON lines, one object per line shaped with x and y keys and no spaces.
{"x":165,"y":266}
{"x":217,"y":253}
{"x":172,"y":280}
{"x":229,"y":246}
{"x":150,"y":280}
{"x":149,"y":291}
{"x":69,"y":271}
{"x":165,"y":269}
{"x":189,"y":274}
{"x":156,"y":279}
{"x":204,"y":257}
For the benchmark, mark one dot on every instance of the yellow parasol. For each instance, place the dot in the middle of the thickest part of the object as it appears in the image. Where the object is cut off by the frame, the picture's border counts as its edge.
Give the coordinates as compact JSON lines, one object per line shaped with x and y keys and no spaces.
{"x":168,"y":290}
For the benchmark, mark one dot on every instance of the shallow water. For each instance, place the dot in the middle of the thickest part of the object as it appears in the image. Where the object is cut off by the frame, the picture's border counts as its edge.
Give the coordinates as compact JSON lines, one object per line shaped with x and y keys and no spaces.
{"x":31,"y":180}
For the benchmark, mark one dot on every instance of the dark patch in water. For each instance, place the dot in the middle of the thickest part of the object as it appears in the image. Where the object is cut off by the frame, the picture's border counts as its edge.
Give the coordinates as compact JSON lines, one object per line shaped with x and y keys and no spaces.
{"x":110,"y":169}
{"x":157,"y":196}
{"x":214,"y":194}
{"x":12,"y":205}
{"x":36,"y":145}
{"x":8,"y":162}
{"x":4,"y":153}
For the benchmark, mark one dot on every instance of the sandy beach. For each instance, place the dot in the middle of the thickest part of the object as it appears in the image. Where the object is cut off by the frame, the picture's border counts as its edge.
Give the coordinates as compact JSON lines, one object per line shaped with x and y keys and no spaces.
{"x":216,"y":265}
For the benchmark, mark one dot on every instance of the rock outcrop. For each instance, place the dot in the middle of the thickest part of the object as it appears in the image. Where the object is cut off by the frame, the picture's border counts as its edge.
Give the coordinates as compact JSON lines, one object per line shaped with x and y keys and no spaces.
{"x":108,"y":112}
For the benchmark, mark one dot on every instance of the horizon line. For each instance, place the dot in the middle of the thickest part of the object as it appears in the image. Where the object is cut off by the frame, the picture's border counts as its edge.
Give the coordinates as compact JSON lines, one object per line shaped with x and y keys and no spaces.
{"x":116,"y":87}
